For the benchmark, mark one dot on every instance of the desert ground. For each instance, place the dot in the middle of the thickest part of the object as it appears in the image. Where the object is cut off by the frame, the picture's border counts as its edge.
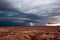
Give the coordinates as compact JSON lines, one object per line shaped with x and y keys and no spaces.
{"x":29,"y":33}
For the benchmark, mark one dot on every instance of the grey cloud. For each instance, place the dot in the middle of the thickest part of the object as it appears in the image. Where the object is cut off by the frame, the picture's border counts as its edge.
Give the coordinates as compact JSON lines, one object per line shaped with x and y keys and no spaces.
{"x":4,"y":4}
{"x":40,"y":9}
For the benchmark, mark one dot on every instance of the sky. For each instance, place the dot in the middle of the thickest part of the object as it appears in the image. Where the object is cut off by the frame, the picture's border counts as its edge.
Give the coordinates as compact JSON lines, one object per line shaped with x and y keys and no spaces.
{"x":45,"y":11}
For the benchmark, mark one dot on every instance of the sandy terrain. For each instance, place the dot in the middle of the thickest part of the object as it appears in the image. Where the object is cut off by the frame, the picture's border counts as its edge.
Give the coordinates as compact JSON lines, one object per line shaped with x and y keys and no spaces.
{"x":24,"y":33}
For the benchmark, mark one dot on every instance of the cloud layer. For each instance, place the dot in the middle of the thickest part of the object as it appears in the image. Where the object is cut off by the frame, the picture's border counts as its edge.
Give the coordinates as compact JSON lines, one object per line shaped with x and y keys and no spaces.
{"x":45,"y":9}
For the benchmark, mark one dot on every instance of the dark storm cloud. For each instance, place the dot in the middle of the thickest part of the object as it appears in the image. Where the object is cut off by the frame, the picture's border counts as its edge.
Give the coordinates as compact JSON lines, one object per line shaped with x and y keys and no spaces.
{"x":48,"y":8}
{"x":4,"y":4}
{"x":33,"y":9}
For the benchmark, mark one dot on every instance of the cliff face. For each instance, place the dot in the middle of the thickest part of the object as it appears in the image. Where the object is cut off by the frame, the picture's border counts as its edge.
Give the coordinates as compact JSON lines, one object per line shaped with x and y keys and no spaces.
{"x":28,"y":33}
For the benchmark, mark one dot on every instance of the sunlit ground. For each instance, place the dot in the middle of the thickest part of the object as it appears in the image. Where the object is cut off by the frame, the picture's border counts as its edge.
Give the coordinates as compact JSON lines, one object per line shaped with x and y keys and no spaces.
{"x":27,"y":33}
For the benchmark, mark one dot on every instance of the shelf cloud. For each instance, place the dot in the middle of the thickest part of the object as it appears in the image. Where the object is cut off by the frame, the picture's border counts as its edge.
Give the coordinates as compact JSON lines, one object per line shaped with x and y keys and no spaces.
{"x":44,"y":9}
